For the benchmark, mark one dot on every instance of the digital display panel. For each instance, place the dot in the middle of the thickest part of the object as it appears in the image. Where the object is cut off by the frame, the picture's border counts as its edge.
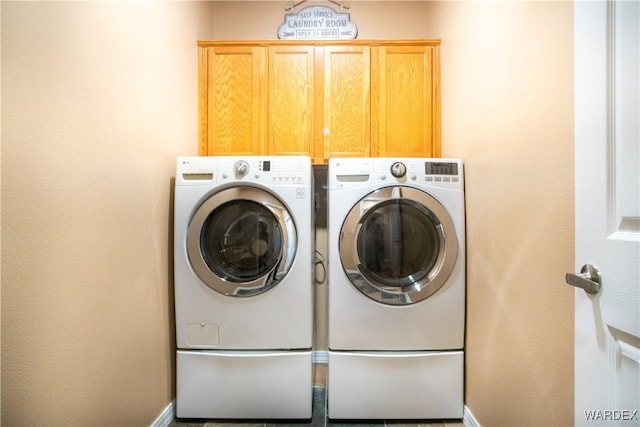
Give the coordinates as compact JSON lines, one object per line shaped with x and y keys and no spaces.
{"x":440,"y":168}
{"x":266,"y":165}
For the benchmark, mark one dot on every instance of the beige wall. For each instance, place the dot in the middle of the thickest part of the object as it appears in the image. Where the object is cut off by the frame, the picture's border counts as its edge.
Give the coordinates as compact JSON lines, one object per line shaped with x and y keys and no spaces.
{"x":374,"y":19}
{"x":507,"y":101}
{"x":97,"y":101}
{"x":99,"y":98}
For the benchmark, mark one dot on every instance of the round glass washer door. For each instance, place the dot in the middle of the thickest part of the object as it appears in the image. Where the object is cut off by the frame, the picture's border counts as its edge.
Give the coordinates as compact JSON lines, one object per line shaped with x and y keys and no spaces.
{"x":398,"y":245}
{"x":241,"y":241}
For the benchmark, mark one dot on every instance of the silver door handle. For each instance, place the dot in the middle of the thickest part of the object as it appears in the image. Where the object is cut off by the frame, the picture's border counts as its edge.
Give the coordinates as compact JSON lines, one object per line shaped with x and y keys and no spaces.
{"x":588,"y":279}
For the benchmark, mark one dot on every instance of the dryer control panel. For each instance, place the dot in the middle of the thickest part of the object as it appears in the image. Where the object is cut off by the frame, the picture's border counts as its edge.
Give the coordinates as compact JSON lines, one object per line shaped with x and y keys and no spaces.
{"x":367,"y":171}
{"x":420,"y":171}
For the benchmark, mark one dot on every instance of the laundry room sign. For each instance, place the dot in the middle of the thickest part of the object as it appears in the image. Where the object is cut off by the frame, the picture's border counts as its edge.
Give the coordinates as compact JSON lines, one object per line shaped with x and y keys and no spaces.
{"x":317,"y":23}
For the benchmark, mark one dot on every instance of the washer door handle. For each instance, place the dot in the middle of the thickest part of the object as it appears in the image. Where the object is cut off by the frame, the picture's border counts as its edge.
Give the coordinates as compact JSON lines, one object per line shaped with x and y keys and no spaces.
{"x":588,"y":279}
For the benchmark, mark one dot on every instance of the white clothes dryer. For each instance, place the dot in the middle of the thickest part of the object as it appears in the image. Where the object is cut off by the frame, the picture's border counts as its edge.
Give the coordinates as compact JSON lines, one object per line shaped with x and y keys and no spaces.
{"x":243,"y":246}
{"x":396,"y":248}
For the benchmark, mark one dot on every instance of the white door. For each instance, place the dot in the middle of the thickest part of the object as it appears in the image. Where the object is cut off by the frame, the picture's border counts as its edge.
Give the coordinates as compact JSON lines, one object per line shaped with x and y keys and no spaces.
{"x":607,"y":134}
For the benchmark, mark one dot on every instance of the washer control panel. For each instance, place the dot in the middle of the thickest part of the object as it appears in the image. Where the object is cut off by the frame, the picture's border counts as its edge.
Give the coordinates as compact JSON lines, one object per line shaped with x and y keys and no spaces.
{"x":268,"y":170}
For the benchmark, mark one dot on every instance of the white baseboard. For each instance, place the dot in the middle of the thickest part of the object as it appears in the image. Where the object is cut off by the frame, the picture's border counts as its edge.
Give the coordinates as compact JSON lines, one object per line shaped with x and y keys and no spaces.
{"x":468,"y":419}
{"x":320,"y":357}
{"x":165,"y":418}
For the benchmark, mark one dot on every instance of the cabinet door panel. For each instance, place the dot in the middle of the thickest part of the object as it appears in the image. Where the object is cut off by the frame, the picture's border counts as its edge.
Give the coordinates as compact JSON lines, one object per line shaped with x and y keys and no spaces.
{"x":231,"y":101}
{"x":408,"y":108}
{"x":346,"y":121}
{"x":291,"y":100}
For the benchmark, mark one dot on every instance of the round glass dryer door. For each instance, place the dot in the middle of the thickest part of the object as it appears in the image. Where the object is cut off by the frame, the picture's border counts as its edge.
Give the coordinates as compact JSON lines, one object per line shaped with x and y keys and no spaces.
{"x":398,"y":245}
{"x":241,"y":241}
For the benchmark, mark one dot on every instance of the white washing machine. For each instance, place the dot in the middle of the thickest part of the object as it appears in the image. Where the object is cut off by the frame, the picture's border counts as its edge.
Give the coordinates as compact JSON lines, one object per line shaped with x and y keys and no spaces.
{"x":396,"y":248}
{"x":243,"y":248}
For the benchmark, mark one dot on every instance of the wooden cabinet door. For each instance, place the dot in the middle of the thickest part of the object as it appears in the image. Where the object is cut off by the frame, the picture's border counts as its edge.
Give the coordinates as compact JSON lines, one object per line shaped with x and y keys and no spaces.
{"x":290,"y":120}
{"x":232,"y":100}
{"x":406,"y":111}
{"x":344,"y":91}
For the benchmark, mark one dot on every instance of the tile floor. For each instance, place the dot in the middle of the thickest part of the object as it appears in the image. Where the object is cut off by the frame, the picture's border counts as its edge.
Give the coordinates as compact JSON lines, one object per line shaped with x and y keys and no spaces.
{"x":319,"y":417}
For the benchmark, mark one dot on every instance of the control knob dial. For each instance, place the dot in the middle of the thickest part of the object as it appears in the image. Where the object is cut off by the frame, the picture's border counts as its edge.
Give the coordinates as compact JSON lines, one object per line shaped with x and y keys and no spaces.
{"x":398,"y":170}
{"x":240,"y":168}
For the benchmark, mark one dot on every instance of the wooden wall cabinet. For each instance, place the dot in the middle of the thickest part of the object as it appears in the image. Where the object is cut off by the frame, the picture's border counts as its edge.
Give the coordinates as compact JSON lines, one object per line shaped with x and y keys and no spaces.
{"x":291,"y":106}
{"x":232,"y":100}
{"x":323,"y":99}
{"x":344,"y":92}
{"x":406,"y":113}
